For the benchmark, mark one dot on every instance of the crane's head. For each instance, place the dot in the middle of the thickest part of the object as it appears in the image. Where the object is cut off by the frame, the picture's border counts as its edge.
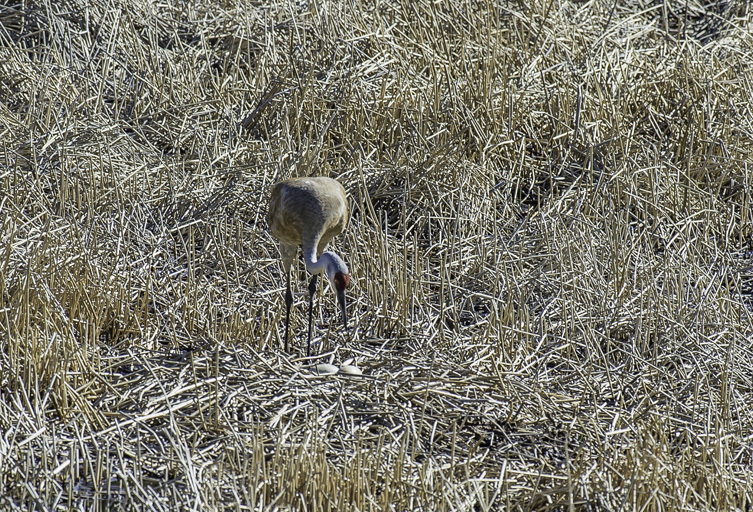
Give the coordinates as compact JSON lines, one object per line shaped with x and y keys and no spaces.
{"x":339,"y":277}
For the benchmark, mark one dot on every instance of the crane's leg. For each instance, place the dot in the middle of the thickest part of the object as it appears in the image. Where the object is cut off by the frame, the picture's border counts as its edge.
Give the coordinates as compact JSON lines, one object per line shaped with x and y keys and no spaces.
{"x":287,"y":254}
{"x":288,"y":303}
{"x":312,"y":291}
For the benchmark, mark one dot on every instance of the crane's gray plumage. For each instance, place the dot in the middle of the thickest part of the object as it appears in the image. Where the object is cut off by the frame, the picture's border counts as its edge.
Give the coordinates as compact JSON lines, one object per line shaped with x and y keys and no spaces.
{"x":309,"y":212}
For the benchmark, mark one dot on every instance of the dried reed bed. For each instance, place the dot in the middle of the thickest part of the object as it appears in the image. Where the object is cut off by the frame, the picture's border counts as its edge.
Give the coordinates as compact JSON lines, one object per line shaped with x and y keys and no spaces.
{"x":550,"y":241}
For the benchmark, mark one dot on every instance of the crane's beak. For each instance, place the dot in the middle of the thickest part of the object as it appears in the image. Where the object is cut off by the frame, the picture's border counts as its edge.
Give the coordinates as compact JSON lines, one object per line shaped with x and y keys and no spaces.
{"x":343,"y":303}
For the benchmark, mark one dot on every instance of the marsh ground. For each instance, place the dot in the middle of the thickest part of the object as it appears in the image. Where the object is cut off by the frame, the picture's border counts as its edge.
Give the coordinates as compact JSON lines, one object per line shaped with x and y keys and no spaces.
{"x":550,"y":244}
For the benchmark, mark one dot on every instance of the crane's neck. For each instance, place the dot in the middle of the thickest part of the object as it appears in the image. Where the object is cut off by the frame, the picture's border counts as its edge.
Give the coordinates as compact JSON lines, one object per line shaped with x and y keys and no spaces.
{"x":328,"y":264}
{"x":337,"y":273}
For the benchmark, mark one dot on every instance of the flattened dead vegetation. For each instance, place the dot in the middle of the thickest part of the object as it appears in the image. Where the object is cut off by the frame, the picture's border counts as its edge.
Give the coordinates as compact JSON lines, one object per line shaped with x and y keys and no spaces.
{"x":550,"y":242}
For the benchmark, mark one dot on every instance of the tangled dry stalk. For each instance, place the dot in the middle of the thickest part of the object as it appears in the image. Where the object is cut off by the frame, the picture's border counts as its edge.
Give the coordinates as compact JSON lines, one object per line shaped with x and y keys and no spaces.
{"x":550,"y":243}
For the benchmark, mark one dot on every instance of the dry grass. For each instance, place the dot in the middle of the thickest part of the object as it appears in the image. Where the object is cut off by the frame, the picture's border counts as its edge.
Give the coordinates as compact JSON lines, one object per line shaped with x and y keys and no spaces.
{"x":550,"y":242}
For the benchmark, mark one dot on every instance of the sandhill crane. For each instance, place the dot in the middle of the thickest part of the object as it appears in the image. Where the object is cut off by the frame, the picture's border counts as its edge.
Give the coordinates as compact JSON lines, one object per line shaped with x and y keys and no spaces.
{"x":310,"y":212}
